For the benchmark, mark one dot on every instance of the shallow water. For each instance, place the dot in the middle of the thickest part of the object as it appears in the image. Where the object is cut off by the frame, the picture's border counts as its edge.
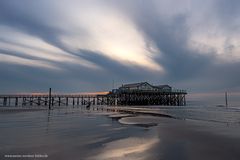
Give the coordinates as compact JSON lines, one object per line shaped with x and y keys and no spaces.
{"x":208,"y":113}
{"x":199,"y":112}
{"x":71,"y":134}
{"x":75,"y":133}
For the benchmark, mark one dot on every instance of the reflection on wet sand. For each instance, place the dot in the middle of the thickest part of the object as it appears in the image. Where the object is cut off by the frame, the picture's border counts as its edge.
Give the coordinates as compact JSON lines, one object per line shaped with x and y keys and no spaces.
{"x":133,"y":148}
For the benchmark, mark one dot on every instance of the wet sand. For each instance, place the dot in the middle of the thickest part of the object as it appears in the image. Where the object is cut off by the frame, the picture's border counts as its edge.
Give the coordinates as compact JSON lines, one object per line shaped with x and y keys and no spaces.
{"x":187,"y":139}
{"x":95,"y":135}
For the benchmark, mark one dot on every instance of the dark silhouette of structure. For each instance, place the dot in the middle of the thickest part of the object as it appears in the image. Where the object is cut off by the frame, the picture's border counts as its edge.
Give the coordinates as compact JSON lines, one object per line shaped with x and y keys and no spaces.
{"x":129,"y":94}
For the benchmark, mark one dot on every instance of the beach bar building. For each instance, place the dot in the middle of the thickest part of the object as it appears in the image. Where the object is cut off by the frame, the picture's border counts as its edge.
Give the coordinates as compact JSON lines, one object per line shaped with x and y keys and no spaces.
{"x":144,"y":93}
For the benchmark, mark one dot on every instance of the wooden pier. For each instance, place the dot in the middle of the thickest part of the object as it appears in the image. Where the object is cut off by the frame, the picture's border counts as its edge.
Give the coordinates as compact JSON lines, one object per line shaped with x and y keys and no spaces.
{"x":53,"y":100}
{"x":123,"y":98}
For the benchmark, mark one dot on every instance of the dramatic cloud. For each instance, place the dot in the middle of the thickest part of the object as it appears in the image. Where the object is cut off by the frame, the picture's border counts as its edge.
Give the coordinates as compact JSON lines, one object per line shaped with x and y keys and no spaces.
{"x":76,"y":46}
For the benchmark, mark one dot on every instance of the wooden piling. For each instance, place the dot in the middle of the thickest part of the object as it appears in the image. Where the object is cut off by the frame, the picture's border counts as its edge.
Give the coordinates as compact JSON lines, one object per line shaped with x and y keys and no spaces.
{"x":49,"y":98}
{"x":226,"y":99}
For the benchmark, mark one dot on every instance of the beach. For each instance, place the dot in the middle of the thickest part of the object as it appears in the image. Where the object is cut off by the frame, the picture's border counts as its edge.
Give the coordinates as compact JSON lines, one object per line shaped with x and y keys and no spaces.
{"x":77,"y":133}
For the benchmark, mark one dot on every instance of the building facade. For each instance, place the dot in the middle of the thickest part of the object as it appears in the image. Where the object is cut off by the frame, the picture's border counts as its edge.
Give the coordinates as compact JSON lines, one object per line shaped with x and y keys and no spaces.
{"x":144,"y":86}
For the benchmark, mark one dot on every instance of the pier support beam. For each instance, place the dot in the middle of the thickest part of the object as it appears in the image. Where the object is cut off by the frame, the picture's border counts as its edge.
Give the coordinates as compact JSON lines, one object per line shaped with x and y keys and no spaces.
{"x":49,"y":98}
{"x":16,"y":101}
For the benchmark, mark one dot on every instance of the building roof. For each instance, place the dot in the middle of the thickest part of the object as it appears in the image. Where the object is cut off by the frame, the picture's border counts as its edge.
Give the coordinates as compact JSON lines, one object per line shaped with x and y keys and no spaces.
{"x":162,"y":86}
{"x":134,"y":84}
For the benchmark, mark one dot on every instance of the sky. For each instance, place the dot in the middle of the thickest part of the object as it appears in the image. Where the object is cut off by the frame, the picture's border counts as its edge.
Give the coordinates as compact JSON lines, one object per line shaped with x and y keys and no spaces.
{"x":86,"y":45}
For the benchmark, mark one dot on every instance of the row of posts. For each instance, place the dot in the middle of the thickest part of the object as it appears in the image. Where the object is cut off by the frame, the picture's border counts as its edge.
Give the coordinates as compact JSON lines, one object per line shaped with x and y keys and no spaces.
{"x":50,"y":101}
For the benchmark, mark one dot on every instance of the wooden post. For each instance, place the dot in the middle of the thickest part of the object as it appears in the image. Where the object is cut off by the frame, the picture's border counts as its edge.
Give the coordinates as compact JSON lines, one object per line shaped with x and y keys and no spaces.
{"x":5,"y":101}
{"x":49,"y":98}
{"x":39,"y":101}
{"x":16,"y":101}
{"x":52,"y":101}
{"x":93,"y":100}
{"x":45,"y":101}
{"x":31,"y":100}
{"x":59,"y":101}
{"x":226,"y":99}
{"x":184,"y":100}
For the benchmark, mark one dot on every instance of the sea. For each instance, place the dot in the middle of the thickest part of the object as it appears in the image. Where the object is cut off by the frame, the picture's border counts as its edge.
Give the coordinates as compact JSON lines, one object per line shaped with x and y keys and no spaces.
{"x":197,"y":131}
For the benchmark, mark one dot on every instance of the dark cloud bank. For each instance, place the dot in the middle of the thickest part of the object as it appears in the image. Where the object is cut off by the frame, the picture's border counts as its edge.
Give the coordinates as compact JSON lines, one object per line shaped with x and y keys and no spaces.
{"x":184,"y":67}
